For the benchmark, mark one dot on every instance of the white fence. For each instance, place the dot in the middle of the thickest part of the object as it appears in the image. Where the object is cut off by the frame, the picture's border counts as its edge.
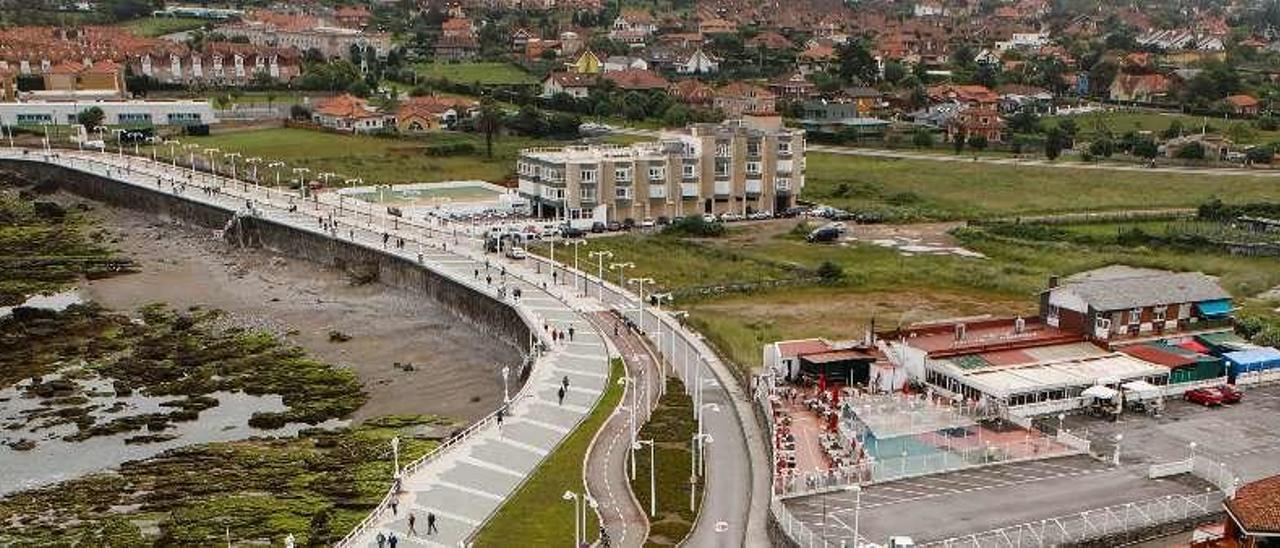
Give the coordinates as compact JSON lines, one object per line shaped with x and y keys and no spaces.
{"x":795,"y":529}
{"x":1093,"y":524}
{"x":948,"y":460}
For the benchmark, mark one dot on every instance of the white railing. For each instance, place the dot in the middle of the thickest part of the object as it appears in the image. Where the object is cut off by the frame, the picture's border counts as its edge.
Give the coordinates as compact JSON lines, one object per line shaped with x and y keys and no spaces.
{"x":795,"y":529}
{"x":1179,"y":389}
{"x":1049,"y":407}
{"x":1258,"y":377}
{"x":1092,"y":525}
{"x":1216,"y":473}
{"x":897,"y":468}
{"x":1078,"y":443}
{"x":1166,"y":469}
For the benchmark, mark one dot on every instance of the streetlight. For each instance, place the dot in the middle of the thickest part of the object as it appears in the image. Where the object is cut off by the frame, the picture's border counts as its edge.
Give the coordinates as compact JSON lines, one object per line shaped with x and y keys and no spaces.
{"x":1192,"y":459}
{"x":348,"y":182}
{"x":173,"y":156}
{"x":1115,"y":459}
{"x":191,"y":154}
{"x":210,"y":153}
{"x":302,"y":184}
{"x":575,"y":244}
{"x":277,"y":165}
{"x":253,"y":174}
{"x":1061,"y":417}
{"x":697,"y":441}
{"x":640,"y":282}
{"x":395,"y":457}
{"x":577,"y":520}
{"x":600,"y":256}
{"x":653,"y":493}
{"x":621,"y":268}
{"x":714,"y":409}
{"x":857,"y":509}
{"x":232,"y":156}
{"x":506,"y":395}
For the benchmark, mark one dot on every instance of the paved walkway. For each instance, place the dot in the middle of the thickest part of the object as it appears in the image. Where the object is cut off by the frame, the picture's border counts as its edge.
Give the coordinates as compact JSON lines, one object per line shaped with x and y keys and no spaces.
{"x":465,"y":485}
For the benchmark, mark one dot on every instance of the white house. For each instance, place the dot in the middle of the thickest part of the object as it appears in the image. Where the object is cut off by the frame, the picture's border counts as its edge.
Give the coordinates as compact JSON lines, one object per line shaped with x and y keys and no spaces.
{"x":576,"y":85}
{"x":696,"y":62}
{"x":127,"y":113}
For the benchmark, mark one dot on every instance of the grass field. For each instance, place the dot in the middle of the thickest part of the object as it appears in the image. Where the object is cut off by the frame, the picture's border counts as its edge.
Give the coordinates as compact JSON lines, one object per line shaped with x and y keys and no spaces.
{"x":536,"y":514}
{"x":374,"y":159}
{"x":1120,"y":122}
{"x":922,"y":189}
{"x":671,"y":427}
{"x":484,"y":73}
{"x":159,"y":26}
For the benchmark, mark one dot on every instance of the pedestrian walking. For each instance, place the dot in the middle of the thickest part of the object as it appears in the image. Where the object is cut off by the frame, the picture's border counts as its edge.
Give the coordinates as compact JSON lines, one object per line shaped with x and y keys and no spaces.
{"x":560,"y":394}
{"x":393,"y":541}
{"x":395,"y":507}
{"x":565,"y":382}
{"x":476,"y":272}
{"x":501,"y":411}
{"x":382,"y":540}
{"x":431,"y":524}
{"x":488,"y":280}
{"x":571,"y":333}
{"x":413,"y":524}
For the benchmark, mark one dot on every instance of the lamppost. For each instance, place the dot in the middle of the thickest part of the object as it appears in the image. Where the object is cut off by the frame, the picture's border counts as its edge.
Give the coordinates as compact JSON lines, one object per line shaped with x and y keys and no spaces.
{"x":857,"y":510}
{"x":302,"y":183}
{"x":254,"y":161}
{"x":640,"y":283}
{"x":624,"y":381}
{"x":580,"y":504}
{"x":191,"y":155}
{"x":714,"y":409}
{"x":576,"y":244}
{"x":119,"y":142}
{"x":277,"y":166}
{"x":231,"y":156}
{"x":1115,"y":458}
{"x":349,"y":182}
{"x":1192,"y":458}
{"x":653,"y":493}
{"x":211,"y":154}
{"x":506,"y":395}
{"x":621,"y":268}
{"x":600,"y":257}
{"x":1061,"y":417}
{"x":173,"y":156}
{"x":698,"y":440}
{"x":395,"y":458}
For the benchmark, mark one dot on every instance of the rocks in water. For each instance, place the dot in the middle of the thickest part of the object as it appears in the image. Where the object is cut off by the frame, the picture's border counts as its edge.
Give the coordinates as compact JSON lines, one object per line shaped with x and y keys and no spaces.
{"x":22,"y":445}
{"x":338,"y":336}
{"x":406,"y":367}
{"x":149,"y":438}
{"x":55,"y":388}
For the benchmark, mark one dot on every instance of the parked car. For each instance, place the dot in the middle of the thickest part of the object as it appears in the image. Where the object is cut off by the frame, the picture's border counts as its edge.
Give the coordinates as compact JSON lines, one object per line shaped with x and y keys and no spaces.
{"x":708,"y":218}
{"x":598,"y":227}
{"x":613,"y":226}
{"x":628,"y":223}
{"x":794,"y":211}
{"x":647,"y":222}
{"x":1207,"y":397}
{"x":517,"y":253}
{"x":664,"y":220}
{"x":572,"y":232}
{"x":824,"y":234}
{"x":731,"y":217}
{"x":1230,"y":394}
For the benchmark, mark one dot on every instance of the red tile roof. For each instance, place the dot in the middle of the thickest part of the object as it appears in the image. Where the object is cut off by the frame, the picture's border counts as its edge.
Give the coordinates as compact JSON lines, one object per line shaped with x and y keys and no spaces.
{"x":636,"y":79}
{"x":791,"y":349}
{"x":345,"y":106}
{"x":1241,"y":100}
{"x":1256,"y":506}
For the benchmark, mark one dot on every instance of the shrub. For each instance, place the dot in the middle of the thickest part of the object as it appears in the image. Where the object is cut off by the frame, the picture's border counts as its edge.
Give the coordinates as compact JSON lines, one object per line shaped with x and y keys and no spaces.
{"x":830,"y":272}
{"x":450,"y":149}
{"x":695,"y":225}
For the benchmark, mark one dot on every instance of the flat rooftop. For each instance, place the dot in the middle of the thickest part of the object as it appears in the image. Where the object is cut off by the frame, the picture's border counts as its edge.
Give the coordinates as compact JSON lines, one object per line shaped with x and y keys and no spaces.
{"x":981,"y":335}
{"x":997,"y":380}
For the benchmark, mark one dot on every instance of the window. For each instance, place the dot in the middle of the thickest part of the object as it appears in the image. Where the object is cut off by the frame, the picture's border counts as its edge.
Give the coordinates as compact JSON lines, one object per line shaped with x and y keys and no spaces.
{"x":588,"y":175}
{"x":622,"y":192}
{"x":753,"y":148}
{"x":135,"y":118}
{"x":657,"y":173}
{"x":722,"y":167}
{"x":587,"y":194}
{"x":784,"y":166}
{"x":622,"y":174}
{"x":784,"y":147}
{"x":1158,"y":313}
{"x":1135,"y":316}
{"x":690,"y":171}
{"x":753,"y":168}
{"x":722,"y":150}
{"x":183,"y":118}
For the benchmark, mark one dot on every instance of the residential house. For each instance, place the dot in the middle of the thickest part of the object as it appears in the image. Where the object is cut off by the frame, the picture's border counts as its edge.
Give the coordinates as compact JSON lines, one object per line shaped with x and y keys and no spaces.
{"x":73,"y":80}
{"x":929,"y":8}
{"x":736,"y":99}
{"x":866,"y":99}
{"x":587,"y":63}
{"x":8,"y":84}
{"x":303,"y":32}
{"x":769,"y":40}
{"x":622,"y":62}
{"x":457,"y":41}
{"x":976,"y":121}
{"x":633,"y":27}
{"x":428,"y":113}
{"x":692,"y":92}
{"x":1018,"y":97}
{"x":352,"y":17}
{"x":1142,"y":88}
{"x":347,"y":112}
{"x":1253,"y":515}
{"x":637,"y":80}
{"x":839,"y":116}
{"x":1120,"y":301}
{"x":536,"y":48}
{"x":520,"y":39}
{"x":716,"y":25}
{"x":1241,"y":105}
{"x":793,"y":86}
{"x":1214,"y":145}
{"x":972,"y":95}
{"x":240,"y":64}
{"x":818,"y":56}
{"x":695,"y":62}
{"x":576,"y":85}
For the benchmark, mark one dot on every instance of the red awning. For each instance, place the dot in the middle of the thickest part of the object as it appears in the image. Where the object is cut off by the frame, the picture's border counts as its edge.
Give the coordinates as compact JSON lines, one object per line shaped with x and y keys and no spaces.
{"x":1157,"y":356}
{"x":1194,"y":346}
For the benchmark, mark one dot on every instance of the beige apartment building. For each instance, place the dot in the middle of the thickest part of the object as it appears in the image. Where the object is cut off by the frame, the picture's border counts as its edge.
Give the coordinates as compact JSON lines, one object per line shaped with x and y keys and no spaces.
{"x":738,"y":166}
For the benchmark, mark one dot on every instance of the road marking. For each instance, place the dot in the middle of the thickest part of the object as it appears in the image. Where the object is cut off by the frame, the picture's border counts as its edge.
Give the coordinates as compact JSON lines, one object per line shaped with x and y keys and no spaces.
{"x":541,"y":424}
{"x":530,"y":448}
{"x":469,"y":490}
{"x":450,"y":515}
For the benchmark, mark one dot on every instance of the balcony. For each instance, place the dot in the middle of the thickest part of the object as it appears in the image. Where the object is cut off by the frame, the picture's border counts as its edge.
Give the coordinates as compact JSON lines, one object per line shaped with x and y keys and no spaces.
{"x":754,"y":187}
{"x":782,"y":185}
{"x":530,"y":188}
{"x":689,"y":190}
{"x":657,"y":191}
{"x":723,"y":188}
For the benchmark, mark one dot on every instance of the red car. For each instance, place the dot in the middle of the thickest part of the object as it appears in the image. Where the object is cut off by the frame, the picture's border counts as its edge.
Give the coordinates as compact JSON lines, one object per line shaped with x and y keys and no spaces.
{"x":1207,"y":397}
{"x":1230,"y":394}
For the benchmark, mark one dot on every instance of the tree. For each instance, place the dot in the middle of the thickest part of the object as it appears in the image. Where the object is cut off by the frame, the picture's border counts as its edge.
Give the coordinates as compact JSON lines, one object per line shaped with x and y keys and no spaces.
{"x":1102,"y":147}
{"x":489,"y":122}
{"x":1025,"y":121}
{"x":1240,"y":133}
{"x":854,"y":62}
{"x":922,"y":138}
{"x":1260,"y":155}
{"x":958,"y":143}
{"x":1145,"y":147}
{"x":830,"y":272}
{"x":978,"y":143}
{"x":676,"y":116}
{"x":1055,"y":140}
{"x":91,"y":117}
{"x":894,"y":72}
{"x":1174,"y":130}
{"x":1191,"y":151}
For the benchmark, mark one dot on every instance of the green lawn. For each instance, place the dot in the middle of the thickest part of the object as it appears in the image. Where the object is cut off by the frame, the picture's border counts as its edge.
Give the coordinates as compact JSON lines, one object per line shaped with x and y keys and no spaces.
{"x":374,"y":159}
{"x":159,"y":26}
{"x":672,"y":428}
{"x":923,"y":189}
{"x":484,"y":73}
{"x":1121,"y":122}
{"x":537,"y":515}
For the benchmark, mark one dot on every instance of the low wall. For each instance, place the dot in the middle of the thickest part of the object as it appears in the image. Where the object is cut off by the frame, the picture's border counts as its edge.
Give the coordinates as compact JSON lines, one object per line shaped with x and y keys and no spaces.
{"x":486,"y":314}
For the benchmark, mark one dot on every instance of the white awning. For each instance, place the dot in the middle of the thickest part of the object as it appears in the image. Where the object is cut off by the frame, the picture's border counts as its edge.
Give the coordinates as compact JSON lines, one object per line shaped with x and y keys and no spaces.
{"x":1143,"y":389}
{"x":1099,"y":391}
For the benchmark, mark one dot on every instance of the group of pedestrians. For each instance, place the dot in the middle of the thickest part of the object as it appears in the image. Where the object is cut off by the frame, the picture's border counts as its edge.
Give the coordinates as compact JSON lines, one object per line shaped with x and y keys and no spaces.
{"x":389,"y":539}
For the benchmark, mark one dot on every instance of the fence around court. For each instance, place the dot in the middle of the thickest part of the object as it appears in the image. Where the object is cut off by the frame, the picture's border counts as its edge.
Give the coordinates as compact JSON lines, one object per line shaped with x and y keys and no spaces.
{"x":1093,"y":524}
{"x":897,"y":468}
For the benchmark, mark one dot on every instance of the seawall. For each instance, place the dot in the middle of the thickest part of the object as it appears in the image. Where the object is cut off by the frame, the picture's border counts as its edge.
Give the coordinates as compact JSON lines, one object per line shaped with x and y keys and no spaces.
{"x":488,"y":315}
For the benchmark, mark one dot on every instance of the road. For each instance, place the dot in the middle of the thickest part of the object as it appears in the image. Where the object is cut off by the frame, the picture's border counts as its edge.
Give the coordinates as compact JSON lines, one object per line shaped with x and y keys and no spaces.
{"x":967,"y":159}
{"x":606,"y":474}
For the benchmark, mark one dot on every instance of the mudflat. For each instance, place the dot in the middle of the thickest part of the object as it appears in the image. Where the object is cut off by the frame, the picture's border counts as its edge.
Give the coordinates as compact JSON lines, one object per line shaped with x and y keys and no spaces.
{"x":455,"y":370}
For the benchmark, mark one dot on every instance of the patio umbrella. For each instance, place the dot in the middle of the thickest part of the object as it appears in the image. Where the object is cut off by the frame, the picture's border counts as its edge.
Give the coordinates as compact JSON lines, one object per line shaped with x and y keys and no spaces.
{"x":822,"y":382}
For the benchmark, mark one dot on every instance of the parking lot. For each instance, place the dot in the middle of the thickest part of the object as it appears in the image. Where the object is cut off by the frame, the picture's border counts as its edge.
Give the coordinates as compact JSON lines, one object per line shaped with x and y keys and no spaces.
{"x":942,"y":506}
{"x":1244,"y":436}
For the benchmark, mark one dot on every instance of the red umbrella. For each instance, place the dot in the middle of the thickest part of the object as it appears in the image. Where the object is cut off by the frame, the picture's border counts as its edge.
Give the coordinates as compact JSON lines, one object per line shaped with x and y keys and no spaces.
{"x":835,"y":397}
{"x":822,"y":382}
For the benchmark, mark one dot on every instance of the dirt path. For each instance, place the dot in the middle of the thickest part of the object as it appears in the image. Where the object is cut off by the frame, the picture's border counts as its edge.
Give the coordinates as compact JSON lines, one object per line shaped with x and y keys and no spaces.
{"x":455,"y":369}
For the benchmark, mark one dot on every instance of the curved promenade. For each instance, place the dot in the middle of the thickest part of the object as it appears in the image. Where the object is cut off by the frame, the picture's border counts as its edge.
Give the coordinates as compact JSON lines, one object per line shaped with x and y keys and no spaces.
{"x":465,"y":481}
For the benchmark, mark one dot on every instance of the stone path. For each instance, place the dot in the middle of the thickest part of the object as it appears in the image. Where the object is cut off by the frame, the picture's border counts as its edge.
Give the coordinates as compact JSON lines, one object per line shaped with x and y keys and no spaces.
{"x":466,"y":484}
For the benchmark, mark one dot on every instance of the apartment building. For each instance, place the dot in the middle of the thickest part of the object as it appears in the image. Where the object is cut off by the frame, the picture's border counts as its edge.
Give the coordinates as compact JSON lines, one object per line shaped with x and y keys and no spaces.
{"x":738,"y":166}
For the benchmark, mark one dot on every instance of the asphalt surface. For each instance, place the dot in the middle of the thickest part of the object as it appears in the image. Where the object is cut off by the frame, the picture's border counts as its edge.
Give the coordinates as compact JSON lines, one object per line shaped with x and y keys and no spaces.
{"x":607,"y":461}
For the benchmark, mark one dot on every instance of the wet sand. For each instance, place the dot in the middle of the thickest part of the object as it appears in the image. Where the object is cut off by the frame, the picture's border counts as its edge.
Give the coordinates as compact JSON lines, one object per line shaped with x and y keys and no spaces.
{"x":456,"y":368}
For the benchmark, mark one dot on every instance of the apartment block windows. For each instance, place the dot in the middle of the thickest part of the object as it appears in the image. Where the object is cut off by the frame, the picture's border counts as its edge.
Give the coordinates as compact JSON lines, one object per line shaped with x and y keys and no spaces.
{"x":622,"y":174}
{"x":657,"y":173}
{"x":753,"y":168}
{"x":690,"y":171}
{"x":784,"y":147}
{"x":589,"y":175}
